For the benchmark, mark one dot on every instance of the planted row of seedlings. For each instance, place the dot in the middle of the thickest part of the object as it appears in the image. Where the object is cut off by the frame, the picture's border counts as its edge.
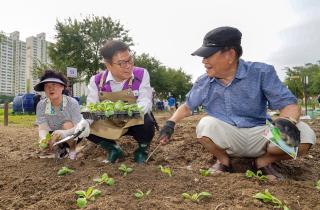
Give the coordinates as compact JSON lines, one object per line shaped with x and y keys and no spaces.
{"x":83,"y":196}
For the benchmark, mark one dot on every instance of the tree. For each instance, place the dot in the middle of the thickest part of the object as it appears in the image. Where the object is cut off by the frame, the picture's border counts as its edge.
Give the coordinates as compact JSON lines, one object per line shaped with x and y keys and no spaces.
{"x":295,"y":75}
{"x":78,"y":43}
{"x":163,"y":79}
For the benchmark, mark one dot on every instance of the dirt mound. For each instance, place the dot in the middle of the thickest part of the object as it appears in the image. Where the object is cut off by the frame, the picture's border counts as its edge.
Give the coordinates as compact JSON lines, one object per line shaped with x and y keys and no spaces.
{"x":29,"y":182}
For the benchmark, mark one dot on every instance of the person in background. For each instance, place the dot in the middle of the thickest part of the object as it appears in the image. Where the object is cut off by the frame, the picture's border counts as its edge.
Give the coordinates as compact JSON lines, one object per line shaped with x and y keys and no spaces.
{"x":235,"y":94}
{"x":121,"y":80}
{"x":57,"y":114}
{"x":171,"y":104}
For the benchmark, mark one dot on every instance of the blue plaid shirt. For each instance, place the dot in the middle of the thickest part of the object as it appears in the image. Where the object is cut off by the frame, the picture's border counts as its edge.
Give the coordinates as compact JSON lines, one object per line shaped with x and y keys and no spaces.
{"x":242,"y":103}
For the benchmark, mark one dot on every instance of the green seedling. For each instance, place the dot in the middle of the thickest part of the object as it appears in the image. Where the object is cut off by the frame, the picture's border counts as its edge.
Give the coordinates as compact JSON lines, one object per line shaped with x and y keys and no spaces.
{"x":166,"y":170}
{"x":85,"y":196}
{"x":109,"y":107}
{"x":267,"y":197}
{"x":196,"y":197}
{"x":43,"y":144}
{"x":204,"y":172}
{"x":318,"y":185}
{"x":64,"y":171}
{"x":124,"y":170}
{"x":258,"y":175}
{"x":105,"y":179}
{"x":139,"y":194}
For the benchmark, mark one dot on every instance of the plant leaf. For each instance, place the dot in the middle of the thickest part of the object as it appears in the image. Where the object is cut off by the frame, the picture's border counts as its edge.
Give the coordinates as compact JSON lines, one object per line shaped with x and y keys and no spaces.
{"x":89,"y":192}
{"x":263,"y":197}
{"x":250,"y":174}
{"x":64,"y":170}
{"x":81,"y":193}
{"x":186,"y":196}
{"x":285,"y":207}
{"x":95,"y":193}
{"x":195,"y":197}
{"x":205,"y":194}
{"x":81,"y":202}
{"x":110,"y":182}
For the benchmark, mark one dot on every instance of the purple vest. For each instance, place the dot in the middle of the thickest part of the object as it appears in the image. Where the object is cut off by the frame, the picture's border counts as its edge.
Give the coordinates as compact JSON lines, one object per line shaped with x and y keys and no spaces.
{"x":137,"y":73}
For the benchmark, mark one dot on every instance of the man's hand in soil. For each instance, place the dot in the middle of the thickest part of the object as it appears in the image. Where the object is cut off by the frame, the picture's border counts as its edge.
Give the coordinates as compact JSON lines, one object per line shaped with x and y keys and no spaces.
{"x":166,"y":132}
{"x":289,"y":131}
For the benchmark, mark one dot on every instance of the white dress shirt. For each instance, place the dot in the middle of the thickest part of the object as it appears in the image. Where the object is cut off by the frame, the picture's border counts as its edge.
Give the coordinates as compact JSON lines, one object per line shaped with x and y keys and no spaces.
{"x":144,"y":99}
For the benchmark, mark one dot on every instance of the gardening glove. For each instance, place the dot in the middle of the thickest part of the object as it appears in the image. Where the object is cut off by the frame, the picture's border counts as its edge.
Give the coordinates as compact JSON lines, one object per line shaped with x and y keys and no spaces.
{"x":83,"y":124}
{"x":61,"y":133}
{"x":289,"y":131}
{"x":42,"y":135}
{"x":166,"y":132}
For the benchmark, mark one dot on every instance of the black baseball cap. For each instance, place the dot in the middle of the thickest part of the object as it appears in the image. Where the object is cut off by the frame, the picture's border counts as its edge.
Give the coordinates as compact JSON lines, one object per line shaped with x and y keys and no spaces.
{"x":217,"y":39}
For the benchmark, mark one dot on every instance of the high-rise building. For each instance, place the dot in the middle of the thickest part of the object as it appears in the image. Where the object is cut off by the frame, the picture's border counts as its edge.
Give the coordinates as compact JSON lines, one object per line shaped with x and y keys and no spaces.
{"x":80,"y":89}
{"x":37,"y":53}
{"x":12,"y":64}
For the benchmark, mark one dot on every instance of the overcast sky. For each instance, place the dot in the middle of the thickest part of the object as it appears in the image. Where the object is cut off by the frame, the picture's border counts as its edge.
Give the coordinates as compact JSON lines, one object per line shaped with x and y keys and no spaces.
{"x":279,"y":32}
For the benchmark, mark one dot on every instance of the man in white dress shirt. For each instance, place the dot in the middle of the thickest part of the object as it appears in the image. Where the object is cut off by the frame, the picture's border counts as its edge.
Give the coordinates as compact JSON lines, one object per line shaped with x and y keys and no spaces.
{"x":121,"y":80}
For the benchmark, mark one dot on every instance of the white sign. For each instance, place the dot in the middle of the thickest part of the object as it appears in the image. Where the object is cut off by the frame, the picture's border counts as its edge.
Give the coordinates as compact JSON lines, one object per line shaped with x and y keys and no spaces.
{"x":71,"y":72}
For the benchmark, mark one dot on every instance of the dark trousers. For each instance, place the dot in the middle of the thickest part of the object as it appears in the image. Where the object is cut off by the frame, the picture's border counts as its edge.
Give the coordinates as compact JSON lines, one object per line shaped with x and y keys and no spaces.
{"x":141,"y":133}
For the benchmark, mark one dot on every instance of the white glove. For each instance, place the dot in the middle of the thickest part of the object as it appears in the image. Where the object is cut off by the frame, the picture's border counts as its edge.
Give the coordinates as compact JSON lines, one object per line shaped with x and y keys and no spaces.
{"x":62,"y":133}
{"x":83,"y":124}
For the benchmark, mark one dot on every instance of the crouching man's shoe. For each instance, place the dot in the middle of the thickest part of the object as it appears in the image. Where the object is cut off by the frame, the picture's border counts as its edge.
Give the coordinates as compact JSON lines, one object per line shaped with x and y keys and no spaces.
{"x":141,"y":154}
{"x":113,"y":149}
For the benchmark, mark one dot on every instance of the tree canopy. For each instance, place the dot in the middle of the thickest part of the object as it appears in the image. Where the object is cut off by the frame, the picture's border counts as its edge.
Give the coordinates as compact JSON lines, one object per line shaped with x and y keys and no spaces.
{"x":295,"y":75}
{"x":78,"y":43}
{"x":163,"y":79}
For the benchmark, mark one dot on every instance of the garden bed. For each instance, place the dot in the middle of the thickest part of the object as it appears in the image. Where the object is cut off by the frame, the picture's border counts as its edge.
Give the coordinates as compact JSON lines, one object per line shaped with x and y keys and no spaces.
{"x":28,"y":182}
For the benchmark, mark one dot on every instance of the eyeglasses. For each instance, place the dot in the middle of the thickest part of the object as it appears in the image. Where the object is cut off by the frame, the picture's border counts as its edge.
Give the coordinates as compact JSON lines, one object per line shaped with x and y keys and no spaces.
{"x":124,"y":64}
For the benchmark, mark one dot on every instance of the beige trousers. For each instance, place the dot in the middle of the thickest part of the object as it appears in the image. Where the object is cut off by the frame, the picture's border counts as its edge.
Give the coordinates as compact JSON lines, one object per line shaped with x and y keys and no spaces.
{"x":243,"y":142}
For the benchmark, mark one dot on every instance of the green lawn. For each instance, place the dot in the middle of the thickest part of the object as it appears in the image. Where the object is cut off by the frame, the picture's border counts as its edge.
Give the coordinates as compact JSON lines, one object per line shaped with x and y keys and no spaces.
{"x":23,"y":120}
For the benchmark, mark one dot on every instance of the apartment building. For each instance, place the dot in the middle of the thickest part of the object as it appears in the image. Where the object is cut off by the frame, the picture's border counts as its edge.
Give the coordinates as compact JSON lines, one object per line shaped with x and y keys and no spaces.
{"x":37,"y":52}
{"x":12,"y":64}
{"x":18,"y":60}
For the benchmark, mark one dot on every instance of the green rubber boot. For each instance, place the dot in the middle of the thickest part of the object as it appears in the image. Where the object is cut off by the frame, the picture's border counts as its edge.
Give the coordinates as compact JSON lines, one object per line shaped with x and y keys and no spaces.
{"x":113,"y":149}
{"x":141,"y":154}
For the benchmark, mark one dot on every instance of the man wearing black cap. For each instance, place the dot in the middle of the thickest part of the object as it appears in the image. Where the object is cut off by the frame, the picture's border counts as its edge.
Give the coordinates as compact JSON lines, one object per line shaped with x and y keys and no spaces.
{"x":235,"y":94}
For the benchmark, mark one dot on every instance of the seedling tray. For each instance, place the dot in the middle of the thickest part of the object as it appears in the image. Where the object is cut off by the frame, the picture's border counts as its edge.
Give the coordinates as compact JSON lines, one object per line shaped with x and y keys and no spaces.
{"x":116,"y":115}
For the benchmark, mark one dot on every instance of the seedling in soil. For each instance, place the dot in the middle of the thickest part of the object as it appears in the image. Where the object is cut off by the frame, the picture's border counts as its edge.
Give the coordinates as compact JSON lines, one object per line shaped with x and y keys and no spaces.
{"x":196,"y":197}
{"x":204,"y":172}
{"x":139,"y":194}
{"x":85,"y":196}
{"x":258,"y":175}
{"x":318,"y":185}
{"x":43,"y":144}
{"x":105,"y":179}
{"x":124,"y":170}
{"x":166,"y":170}
{"x":64,"y":171}
{"x":267,"y":197}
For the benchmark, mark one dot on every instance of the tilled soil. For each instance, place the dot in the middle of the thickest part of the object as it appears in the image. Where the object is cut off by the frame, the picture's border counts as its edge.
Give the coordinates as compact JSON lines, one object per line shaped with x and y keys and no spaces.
{"x":30,"y":182}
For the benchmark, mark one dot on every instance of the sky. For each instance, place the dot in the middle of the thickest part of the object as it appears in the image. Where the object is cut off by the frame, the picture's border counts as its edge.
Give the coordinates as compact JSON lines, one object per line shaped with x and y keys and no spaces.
{"x":283,"y":33}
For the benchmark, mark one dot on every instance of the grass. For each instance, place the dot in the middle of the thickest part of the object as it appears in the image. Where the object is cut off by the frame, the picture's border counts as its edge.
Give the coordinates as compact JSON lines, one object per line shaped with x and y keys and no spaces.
{"x":24,"y":120}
